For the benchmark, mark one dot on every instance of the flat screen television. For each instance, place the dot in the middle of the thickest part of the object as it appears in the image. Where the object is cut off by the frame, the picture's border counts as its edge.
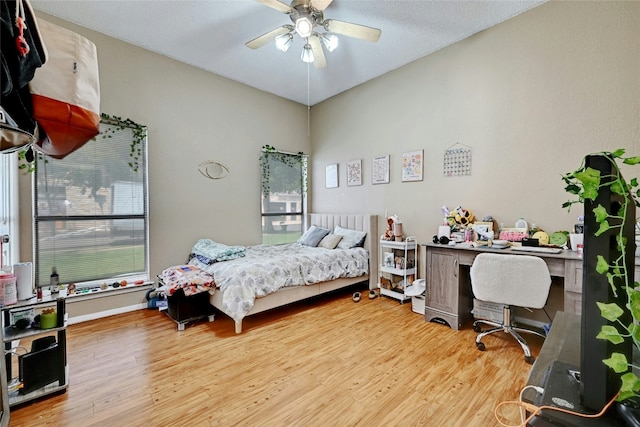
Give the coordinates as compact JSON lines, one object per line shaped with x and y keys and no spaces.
{"x":595,"y":383}
{"x":598,"y":383}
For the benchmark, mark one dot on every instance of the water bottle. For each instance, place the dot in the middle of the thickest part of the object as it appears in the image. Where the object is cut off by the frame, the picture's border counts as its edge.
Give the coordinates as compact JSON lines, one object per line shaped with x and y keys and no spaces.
{"x":54,"y":280}
{"x":521,"y":223}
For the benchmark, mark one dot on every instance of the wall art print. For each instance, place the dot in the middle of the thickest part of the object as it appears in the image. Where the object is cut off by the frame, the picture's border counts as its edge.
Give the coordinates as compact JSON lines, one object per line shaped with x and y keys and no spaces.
{"x":412,"y":164}
{"x":354,"y":173}
{"x":380,"y":170}
{"x":331,"y":176}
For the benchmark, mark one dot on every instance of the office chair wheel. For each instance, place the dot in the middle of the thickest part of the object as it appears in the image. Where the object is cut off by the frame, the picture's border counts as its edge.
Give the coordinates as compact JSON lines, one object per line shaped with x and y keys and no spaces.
{"x":529,"y":359}
{"x":480,"y":346}
{"x":477,"y":328}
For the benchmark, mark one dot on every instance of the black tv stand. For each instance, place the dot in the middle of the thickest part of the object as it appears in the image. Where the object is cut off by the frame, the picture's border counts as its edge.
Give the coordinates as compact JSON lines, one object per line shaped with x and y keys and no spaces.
{"x":562,"y":390}
{"x":558,"y":358}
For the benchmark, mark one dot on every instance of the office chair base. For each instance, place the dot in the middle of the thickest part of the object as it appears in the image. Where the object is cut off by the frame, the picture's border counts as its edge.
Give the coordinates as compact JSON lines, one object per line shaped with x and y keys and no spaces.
{"x":510,"y":329}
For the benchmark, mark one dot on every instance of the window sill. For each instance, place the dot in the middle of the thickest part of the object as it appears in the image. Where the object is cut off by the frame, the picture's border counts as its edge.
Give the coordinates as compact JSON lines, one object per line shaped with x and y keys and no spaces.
{"x":95,"y":292}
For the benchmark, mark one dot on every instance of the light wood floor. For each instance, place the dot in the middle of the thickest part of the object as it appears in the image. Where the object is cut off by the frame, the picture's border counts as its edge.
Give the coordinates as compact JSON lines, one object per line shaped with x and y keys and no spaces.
{"x":327,"y":362}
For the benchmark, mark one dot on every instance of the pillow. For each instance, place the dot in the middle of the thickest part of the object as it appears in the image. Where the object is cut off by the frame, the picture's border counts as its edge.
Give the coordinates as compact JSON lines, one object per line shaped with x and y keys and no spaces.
{"x":313,"y":235}
{"x":330,"y":241}
{"x":350,"y":238}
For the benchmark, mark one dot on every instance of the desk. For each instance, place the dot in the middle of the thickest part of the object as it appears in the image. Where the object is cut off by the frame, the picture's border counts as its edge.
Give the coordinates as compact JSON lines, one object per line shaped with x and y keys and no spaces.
{"x":449,"y":299}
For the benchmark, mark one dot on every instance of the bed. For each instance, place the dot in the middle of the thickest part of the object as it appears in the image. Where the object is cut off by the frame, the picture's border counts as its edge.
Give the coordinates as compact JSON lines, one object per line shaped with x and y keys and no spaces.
{"x":237,"y":301}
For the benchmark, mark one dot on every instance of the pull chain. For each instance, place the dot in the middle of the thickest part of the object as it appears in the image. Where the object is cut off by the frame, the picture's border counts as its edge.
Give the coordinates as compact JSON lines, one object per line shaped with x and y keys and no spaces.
{"x":308,"y":102}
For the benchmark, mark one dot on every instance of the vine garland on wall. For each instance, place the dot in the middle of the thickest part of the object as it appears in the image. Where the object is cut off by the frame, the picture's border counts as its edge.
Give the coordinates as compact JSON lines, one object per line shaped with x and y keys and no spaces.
{"x":289,"y":159}
{"x":26,"y":157}
{"x":139,"y":135}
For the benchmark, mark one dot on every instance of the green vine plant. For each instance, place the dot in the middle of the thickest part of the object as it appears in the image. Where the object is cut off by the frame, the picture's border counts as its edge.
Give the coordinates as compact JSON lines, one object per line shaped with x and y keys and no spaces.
{"x":139,"y":134}
{"x":293,"y":160}
{"x":585,"y":183}
{"x":27,"y":157}
{"x":26,"y":160}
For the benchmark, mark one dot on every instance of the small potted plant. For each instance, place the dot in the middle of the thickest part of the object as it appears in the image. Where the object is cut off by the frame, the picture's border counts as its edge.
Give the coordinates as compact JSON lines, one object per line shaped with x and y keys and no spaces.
{"x":586,"y":183}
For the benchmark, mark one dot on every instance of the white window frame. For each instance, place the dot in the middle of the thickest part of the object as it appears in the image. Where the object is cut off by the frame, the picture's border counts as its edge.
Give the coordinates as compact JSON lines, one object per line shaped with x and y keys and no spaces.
{"x":38,"y":218}
{"x":301,"y":209}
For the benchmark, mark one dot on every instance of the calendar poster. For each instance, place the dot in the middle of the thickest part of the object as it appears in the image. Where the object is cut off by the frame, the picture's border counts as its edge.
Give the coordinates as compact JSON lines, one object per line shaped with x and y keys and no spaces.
{"x":457,"y":160}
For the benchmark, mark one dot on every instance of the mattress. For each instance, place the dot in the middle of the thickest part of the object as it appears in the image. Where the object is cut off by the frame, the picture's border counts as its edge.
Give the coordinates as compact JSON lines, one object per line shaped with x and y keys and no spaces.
{"x":265,"y":269}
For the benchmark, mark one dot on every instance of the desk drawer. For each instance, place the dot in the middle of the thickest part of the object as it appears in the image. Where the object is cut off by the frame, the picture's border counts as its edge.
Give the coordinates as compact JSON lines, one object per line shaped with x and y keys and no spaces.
{"x":573,"y":276}
{"x":573,"y":302}
{"x":556,"y":266}
{"x":437,"y":316}
{"x":466,"y":257}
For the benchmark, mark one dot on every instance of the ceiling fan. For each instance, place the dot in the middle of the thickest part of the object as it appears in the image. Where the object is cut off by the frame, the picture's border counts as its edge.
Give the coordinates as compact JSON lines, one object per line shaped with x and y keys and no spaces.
{"x":309,"y":23}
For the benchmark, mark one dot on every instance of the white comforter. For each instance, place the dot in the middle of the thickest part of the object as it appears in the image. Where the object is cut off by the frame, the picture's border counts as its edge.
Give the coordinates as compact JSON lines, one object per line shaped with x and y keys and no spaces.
{"x":264,"y":269}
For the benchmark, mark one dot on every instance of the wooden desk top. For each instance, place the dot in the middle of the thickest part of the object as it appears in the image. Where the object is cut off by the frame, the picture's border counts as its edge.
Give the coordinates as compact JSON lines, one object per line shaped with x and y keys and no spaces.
{"x":565,"y":254}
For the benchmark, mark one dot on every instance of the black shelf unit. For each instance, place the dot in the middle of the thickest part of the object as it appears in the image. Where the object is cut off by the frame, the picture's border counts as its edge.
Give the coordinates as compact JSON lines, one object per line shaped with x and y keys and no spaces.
{"x":45,"y":368}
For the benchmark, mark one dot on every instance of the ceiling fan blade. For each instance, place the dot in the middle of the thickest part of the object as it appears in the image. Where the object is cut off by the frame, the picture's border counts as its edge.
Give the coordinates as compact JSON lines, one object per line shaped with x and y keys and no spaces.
{"x":267,"y":37}
{"x":320,"y":5}
{"x":319,"y":61}
{"x":352,"y":30}
{"x":277,"y":5}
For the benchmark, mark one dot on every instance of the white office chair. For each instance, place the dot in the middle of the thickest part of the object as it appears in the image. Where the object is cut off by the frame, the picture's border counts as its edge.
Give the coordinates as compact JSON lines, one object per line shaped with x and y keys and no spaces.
{"x":511,"y":280}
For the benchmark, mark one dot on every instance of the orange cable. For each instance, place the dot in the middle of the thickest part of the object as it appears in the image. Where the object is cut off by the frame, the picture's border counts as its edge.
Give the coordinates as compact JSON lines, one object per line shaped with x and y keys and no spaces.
{"x":535,"y":410}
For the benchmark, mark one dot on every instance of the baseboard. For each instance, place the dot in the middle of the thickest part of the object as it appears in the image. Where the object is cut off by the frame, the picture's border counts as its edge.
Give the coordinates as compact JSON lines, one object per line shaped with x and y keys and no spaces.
{"x":106,"y":313}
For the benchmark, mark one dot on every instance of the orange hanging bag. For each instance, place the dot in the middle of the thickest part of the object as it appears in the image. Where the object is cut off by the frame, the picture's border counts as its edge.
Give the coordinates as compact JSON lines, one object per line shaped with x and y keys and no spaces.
{"x":66,"y":92}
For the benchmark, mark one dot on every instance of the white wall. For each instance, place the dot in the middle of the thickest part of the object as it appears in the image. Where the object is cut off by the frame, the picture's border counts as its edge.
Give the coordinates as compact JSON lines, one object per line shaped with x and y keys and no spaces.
{"x":192,"y":116}
{"x":531,"y":96}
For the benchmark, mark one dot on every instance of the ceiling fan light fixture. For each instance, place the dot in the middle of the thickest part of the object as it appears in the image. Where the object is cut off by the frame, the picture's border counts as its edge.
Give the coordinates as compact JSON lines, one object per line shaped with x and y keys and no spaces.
{"x":283,"y":42}
{"x":307,"y":54}
{"x":330,"y":41}
{"x":304,"y":27}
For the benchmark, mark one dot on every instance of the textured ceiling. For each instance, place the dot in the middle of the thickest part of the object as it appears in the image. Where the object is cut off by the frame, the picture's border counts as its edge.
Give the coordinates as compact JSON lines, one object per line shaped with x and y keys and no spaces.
{"x":211,"y":35}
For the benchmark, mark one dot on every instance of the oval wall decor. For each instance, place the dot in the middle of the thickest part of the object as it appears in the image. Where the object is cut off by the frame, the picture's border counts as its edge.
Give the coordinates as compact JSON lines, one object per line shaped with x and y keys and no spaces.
{"x":213,"y":170}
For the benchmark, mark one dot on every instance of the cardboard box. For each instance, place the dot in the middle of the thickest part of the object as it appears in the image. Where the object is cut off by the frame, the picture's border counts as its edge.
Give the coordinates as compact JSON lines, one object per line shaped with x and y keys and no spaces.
{"x":488,"y":310}
{"x":417,"y":304}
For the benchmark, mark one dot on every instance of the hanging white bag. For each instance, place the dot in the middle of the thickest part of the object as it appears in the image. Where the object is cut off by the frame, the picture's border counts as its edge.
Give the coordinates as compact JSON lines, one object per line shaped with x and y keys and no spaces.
{"x":66,"y":91}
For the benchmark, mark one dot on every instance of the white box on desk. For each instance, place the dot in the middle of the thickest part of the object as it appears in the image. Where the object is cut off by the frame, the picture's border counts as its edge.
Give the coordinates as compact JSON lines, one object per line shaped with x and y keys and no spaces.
{"x":488,"y":310}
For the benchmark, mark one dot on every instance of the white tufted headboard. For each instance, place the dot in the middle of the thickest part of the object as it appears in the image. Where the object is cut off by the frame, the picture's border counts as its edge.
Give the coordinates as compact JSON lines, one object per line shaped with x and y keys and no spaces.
{"x":361,"y":222}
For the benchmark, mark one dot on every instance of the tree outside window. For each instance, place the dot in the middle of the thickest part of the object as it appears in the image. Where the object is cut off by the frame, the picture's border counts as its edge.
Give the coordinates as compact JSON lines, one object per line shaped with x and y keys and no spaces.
{"x":283,"y":195}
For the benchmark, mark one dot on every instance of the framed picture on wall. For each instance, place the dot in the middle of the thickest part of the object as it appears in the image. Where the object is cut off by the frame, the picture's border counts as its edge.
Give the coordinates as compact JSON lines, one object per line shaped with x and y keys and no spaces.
{"x":354,"y":173}
{"x":412,"y":163}
{"x":331,"y":176}
{"x":380,"y":170}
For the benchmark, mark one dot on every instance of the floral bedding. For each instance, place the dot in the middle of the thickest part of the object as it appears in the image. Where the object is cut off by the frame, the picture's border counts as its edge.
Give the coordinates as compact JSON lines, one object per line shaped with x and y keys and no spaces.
{"x":190,"y":278}
{"x":265,"y":268}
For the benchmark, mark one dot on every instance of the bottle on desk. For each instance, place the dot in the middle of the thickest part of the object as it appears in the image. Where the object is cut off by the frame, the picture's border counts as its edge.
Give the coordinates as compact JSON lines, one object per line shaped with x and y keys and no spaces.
{"x":521,"y":223}
{"x":54,"y":280}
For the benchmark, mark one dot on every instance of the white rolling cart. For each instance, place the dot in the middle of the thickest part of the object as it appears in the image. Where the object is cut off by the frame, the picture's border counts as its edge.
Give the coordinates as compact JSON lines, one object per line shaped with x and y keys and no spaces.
{"x":398,"y":267}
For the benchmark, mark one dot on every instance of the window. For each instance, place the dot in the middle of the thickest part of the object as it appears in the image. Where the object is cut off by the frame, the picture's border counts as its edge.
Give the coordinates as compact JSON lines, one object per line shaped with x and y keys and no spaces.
{"x":284,"y":188}
{"x":91,"y":212}
{"x":9,"y":249}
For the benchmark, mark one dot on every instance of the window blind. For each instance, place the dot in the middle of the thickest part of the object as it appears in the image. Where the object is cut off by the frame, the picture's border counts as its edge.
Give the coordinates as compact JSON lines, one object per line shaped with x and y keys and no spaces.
{"x":91,"y":210}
